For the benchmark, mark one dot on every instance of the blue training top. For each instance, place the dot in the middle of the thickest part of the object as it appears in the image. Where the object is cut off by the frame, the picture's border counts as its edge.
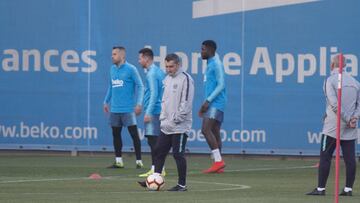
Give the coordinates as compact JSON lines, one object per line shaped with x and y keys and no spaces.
{"x":124,"y":82}
{"x":153,"y":90}
{"x":214,"y":80}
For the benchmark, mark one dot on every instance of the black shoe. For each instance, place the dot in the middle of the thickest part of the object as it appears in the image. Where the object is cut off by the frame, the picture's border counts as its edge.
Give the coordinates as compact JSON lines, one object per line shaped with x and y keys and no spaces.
{"x":142,"y":183}
{"x":343,"y":193}
{"x":177,"y":188}
{"x":316,"y":192}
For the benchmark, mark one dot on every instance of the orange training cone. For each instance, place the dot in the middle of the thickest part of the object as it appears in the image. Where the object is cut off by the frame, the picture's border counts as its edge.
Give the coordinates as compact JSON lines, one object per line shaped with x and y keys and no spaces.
{"x":95,"y":176}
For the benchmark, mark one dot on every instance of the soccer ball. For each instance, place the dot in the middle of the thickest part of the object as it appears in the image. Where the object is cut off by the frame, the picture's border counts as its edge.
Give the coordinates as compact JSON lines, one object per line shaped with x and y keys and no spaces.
{"x":155,"y":182}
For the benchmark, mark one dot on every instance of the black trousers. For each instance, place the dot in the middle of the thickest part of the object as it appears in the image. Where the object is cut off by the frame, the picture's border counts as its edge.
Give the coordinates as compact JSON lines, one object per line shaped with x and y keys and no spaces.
{"x":152,"y":140}
{"x":163,"y":145}
{"x":328,"y":146}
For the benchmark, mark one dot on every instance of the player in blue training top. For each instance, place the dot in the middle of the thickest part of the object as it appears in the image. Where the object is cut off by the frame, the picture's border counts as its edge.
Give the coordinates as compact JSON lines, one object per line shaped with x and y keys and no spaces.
{"x":212,"y":110}
{"x":152,"y":102}
{"x":124,"y":82}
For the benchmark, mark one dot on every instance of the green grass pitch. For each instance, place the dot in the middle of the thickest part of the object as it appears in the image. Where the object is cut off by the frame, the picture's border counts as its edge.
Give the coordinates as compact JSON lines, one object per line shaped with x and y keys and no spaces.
{"x":40,"y":177}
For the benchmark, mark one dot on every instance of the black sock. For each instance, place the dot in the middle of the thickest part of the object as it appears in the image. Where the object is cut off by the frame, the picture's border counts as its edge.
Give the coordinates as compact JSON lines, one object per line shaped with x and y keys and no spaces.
{"x":134,"y":133}
{"x":117,"y":141}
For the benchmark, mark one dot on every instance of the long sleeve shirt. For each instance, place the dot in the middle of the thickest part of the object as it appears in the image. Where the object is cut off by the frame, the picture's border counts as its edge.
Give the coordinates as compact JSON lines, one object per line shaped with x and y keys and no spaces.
{"x":124,"y":82}
{"x":153,"y":90}
{"x":214,"y":79}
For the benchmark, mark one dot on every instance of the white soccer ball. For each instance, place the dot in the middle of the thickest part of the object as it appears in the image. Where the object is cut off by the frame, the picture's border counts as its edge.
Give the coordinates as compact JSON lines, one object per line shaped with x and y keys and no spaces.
{"x":155,"y":182}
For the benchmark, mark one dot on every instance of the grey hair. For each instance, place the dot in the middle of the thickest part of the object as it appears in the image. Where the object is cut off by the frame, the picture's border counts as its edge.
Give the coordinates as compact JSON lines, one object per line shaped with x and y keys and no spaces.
{"x":173,"y":57}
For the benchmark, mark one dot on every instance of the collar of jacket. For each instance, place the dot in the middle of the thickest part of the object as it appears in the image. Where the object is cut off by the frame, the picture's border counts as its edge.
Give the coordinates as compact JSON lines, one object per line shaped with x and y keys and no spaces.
{"x":150,"y":67}
{"x":211,"y":59}
{"x":125,"y":63}
{"x":336,"y":71}
{"x":177,"y":72}
{"x":146,"y":70}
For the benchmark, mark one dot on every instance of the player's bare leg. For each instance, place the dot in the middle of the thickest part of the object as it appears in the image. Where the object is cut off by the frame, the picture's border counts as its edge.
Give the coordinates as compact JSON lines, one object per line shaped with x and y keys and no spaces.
{"x":216,"y":131}
{"x":212,"y":140}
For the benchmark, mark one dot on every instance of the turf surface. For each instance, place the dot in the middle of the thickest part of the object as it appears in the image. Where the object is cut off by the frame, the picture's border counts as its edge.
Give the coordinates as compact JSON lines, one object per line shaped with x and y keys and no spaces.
{"x":62,"y":178}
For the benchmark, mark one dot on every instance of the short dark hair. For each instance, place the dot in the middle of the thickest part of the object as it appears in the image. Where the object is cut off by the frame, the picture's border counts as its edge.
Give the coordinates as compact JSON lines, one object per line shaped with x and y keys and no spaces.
{"x":210,"y":43}
{"x":119,"y":47}
{"x":147,"y":52}
{"x":173,"y":57}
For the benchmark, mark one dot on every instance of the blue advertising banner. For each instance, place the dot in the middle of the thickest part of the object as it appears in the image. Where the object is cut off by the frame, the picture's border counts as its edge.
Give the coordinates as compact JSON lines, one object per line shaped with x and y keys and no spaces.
{"x":55,"y":58}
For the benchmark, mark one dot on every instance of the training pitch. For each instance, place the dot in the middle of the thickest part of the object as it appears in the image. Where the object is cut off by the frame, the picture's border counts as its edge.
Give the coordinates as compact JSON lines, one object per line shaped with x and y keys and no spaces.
{"x":44,"y":177}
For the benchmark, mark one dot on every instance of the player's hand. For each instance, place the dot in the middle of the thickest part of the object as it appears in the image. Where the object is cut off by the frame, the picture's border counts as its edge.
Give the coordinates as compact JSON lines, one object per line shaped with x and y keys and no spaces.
{"x":147,"y":119}
{"x":353,"y":122}
{"x":106,"y":108}
{"x":204,"y":107}
{"x":200,"y":114}
{"x":138,"y":110}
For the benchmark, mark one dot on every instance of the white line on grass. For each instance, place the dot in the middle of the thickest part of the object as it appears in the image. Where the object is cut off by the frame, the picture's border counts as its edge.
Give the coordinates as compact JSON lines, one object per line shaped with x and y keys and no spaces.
{"x":106,"y":178}
{"x":127,"y":177}
{"x":240,"y":187}
{"x":271,"y":169}
{"x":110,"y":177}
{"x":41,"y":180}
{"x":230,"y":187}
{"x":257,"y":169}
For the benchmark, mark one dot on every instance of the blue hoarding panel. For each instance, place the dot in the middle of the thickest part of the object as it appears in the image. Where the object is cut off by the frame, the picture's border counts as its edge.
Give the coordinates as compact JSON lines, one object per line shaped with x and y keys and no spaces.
{"x":55,"y":58}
